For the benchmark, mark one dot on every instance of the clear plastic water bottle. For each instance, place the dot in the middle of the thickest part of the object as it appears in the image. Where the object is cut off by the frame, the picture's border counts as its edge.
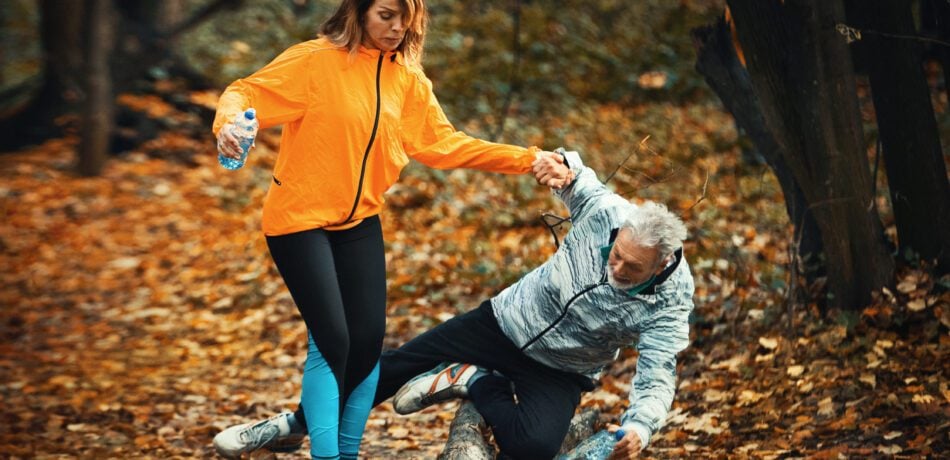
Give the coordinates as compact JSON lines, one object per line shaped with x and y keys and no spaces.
{"x":245,"y":130}
{"x":597,"y":447}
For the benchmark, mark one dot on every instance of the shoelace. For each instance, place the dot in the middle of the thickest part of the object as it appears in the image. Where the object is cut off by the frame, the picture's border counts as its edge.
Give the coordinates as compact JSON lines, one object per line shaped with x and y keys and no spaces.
{"x":260,"y":434}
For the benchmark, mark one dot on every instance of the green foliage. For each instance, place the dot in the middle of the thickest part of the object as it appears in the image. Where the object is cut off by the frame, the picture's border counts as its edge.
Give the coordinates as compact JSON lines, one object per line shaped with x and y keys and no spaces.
{"x":234,"y":44}
{"x":572,"y":51}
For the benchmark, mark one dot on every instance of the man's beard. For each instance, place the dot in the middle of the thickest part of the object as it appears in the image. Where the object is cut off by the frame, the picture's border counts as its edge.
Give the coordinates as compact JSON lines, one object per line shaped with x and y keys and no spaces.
{"x":617,"y":284}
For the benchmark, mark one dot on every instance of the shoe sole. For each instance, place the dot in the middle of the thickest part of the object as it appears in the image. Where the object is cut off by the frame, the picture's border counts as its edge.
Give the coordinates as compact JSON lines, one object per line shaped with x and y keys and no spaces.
{"x":399,"y":395}
{"x":285,"y":446}
{"x":446,"y":394}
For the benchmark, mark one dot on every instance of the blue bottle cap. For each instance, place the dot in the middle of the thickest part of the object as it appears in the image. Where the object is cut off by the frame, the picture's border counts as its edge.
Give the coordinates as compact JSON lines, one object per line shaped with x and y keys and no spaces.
{"x":619,"y":434}
{"x":250,"y":114}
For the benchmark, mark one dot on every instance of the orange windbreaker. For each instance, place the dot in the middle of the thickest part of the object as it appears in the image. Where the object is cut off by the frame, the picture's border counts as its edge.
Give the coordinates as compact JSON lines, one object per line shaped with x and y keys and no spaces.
{"x":350,"y":126}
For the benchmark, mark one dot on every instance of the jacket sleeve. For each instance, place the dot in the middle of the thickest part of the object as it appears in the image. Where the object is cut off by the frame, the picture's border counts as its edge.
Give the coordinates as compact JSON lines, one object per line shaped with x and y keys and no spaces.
{"x":428,"y":137}
{"x":586,"y":193}
{"x":278,"y":92}
{"x":654,"y":384}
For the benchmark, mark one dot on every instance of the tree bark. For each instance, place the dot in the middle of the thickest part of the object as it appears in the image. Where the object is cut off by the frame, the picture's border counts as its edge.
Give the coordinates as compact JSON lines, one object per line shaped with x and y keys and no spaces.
{"x":718,"y":62}
{"x":935,"y":19}
{"x":582,"y":427}
{"x":916,"y":174}
{"x":61,"y":90}
{"x":802,"y":74}
{"x":99,"y":110}
{"x":466,"y":436}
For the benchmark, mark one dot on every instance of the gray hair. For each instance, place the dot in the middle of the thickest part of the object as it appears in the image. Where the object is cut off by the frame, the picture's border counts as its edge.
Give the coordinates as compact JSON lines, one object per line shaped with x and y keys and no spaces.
{"x":652,"y":225}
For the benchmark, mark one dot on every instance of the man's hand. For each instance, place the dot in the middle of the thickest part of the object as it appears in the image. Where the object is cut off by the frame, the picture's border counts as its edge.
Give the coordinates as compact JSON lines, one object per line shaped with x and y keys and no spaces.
{"x":549,"y":169}
{"x":628,"y":447}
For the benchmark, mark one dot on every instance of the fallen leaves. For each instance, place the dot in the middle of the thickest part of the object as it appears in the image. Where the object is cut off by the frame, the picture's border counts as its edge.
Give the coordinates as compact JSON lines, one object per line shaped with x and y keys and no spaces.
{"x":826,"y":407}
{"x":768,"y":343}
{"x":146,"y":315}
{"x":708,"y":423}
{"x":749,"y":397}
{"x":917,"y":305}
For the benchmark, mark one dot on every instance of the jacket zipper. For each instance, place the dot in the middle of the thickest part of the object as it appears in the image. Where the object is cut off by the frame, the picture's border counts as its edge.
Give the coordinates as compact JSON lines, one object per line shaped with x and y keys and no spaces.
{"x":587,"y":289}
{"x":372,"y":138}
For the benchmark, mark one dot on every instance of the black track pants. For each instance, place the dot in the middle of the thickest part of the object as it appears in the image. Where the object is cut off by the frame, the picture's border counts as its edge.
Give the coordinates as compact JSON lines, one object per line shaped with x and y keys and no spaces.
{"x":531,"y":429}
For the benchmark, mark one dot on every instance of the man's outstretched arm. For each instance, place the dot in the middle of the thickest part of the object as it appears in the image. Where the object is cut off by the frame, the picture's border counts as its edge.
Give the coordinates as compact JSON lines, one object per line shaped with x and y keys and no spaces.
{"x":583,"y":193}
{"x":654,"y":384}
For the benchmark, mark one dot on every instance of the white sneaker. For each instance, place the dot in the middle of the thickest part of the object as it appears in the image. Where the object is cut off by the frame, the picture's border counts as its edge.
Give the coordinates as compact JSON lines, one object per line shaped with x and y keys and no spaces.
{"x":274,"y":434}
{"x":444,"y":382}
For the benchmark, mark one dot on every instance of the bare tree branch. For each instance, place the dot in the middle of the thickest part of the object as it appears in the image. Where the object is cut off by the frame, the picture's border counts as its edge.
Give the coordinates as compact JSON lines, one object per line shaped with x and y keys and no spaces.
{"x":703,"y":195}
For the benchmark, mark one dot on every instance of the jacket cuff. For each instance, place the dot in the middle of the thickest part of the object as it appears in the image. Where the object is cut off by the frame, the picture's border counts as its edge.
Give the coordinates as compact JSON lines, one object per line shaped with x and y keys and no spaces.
{"x":572,"y":159}
{"x":221,"y":119}
{"x":642,"y":430}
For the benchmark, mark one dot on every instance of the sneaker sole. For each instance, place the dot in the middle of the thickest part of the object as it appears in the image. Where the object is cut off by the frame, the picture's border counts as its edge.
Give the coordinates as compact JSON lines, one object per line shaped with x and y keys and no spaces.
{"x":286,"y":446}
{"x":425,"y":381}
{"x":446,"y":394}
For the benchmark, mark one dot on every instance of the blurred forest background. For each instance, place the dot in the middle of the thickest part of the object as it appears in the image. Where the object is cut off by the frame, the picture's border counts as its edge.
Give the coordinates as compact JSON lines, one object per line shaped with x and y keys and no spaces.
{"x":804,"y":143}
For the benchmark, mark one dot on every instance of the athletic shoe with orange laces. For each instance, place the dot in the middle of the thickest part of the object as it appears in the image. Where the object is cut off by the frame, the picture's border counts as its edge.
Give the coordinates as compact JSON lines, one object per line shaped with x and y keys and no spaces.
{"x":444,"y":382}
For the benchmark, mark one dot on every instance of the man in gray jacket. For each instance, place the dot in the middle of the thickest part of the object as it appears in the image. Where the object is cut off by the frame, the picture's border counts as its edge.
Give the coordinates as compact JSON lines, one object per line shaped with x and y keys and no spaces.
{"x":525,"y":356}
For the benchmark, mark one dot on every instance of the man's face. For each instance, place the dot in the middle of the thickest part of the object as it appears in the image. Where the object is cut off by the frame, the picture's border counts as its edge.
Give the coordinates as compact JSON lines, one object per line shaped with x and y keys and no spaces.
{"x":630,"y":264}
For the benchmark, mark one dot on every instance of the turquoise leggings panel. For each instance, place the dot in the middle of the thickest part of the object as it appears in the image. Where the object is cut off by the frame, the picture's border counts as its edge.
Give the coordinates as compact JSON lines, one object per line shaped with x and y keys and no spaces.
{"x":320,"y":401}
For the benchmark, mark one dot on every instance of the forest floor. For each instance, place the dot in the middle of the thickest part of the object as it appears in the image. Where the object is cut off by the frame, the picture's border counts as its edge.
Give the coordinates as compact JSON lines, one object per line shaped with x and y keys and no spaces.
{"x":141,"y":313}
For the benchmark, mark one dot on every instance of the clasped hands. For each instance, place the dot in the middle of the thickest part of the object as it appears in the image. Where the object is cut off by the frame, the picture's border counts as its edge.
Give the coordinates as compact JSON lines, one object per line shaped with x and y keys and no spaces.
{"x":549,"y":169}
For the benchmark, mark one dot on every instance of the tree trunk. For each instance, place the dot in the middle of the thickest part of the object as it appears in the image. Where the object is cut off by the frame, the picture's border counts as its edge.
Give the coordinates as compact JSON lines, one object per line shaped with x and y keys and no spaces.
{"x":99,"y":108}
{"x":935,"y":21}
{"x":802,"y":74}
{"x":148,"y":31}
{"x":171,"y":14}
{"x":146,"y":41}
{"x":61,"y":34}
{"x":140,"y":44}
{"x":61,"y":90}
{"x":718,"y":62}
{"x":916,"y":174}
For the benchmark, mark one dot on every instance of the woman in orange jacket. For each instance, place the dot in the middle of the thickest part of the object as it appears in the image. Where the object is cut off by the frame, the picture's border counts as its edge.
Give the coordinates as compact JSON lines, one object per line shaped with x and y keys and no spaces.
{"x":356,"y":106}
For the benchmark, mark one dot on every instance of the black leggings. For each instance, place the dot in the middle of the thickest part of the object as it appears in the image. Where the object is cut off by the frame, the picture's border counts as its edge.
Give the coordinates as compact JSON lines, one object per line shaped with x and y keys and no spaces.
{"x":338,"y":281}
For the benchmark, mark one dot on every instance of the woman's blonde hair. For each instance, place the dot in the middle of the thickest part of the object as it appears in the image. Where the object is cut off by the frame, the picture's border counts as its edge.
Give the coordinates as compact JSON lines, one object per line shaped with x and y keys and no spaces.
{"x":345,"y":28}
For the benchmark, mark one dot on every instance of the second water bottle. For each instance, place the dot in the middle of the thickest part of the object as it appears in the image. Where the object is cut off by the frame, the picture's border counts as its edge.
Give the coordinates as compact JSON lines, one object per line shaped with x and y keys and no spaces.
{"x":597,"y":447}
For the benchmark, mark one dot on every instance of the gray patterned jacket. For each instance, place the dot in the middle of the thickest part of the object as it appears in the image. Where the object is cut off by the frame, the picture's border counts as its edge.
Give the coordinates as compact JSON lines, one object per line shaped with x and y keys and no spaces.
{"x":565,"y":315}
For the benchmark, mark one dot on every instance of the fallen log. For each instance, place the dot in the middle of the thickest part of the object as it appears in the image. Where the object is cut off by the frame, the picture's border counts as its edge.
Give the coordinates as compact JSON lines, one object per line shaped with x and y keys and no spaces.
{"x":582,"y":427}
{"x":467,"y":440}
{"x":469,"y":434}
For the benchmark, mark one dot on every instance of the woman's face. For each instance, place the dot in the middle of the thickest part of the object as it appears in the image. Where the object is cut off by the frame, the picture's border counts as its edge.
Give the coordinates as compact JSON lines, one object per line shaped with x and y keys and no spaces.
{"x":384,"y":25}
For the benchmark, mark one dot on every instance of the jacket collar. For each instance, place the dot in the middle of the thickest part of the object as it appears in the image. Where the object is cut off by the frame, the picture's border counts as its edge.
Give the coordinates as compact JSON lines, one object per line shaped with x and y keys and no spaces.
{"x":662,"y":277}
{"x":392,"y":56}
